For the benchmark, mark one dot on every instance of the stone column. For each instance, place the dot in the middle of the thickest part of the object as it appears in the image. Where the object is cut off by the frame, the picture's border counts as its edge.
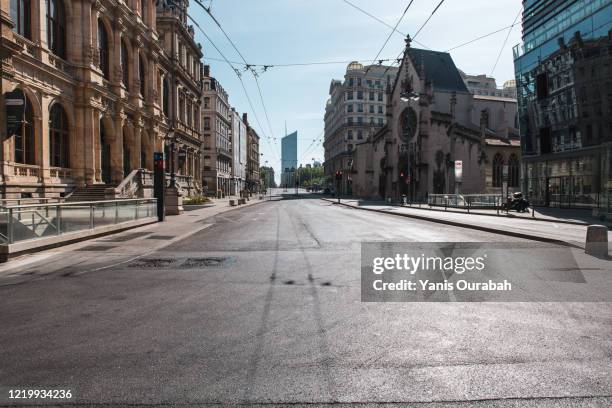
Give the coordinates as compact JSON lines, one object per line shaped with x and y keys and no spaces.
{"x":90,"y":166}
{"x":135,"y":148}
{"x":117,"y":149}
{"x":42,"y":140}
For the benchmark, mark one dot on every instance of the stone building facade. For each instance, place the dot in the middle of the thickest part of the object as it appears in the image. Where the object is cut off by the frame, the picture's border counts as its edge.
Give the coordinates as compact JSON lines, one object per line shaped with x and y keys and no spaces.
{"x":253,"y":181}
{"x":217,"y":156}
{"x":181,"y":82}
{"x":430,"y":125}
{"x":355,"y":110}
{"x":94,"y":78}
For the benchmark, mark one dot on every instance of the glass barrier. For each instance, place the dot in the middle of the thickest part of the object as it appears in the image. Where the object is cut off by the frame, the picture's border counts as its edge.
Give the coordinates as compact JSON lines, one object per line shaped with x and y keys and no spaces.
{"x":28,"y":222}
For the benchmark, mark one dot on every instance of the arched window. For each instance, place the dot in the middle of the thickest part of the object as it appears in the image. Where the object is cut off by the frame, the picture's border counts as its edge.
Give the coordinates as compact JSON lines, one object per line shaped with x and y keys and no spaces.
{"x":125,"y":65}
{"x":166,"y":96}
{"x":56,"y":27}
{"x":21,"y":16}
{"x":24,"y":136}
{"x":58,"y":137}
{"x":513,"y":171}
{"x":103,"y":49}
{"x":498,"y":168}
{"x":141,"y":75}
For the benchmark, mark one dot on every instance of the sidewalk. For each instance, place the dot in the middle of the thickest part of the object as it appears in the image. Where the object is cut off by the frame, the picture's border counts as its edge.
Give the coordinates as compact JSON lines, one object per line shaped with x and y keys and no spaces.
{"x":115,"y":249}
{"x":558,"y":215}
{"x":548,"y":228}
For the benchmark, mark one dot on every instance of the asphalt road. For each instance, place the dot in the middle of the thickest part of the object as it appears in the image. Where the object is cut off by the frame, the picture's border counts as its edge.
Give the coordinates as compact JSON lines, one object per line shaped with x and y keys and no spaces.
{"x":263,"y":307}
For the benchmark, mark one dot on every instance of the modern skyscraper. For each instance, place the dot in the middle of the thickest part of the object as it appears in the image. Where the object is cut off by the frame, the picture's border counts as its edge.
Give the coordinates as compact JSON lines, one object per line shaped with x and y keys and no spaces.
{"x":564,"y":107}
{"x":289,"y":161}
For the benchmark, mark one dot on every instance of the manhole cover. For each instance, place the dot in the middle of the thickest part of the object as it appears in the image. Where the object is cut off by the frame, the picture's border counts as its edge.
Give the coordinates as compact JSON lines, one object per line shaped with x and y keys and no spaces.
{"x":208,"y":262}
{"x":96,"y":248}
{"x":152,"y":263}
{"x":162,"y":237}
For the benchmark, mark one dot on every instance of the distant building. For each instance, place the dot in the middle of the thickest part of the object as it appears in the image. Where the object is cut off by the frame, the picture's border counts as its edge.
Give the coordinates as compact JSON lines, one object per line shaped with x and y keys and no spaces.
{"x":355,"y":111}
{"x":289,"y":161}
{"x":316,"y":163}
{"x":217,"y":145}
{"x":487,"y":86}
{"x":239,"y":153}
{"x":253,"y":182}
{"x":268,"y":178}
{"x":565,"y":103}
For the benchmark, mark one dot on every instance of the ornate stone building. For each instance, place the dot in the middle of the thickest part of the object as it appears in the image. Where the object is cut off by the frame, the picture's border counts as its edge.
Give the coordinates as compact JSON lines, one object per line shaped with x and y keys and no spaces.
{"x":181,"y":73}
{"x":96,"y":84}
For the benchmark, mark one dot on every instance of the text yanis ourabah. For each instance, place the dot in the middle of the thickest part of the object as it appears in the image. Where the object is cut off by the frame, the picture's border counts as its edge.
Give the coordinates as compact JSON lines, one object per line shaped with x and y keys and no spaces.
{"x":446,"y":265}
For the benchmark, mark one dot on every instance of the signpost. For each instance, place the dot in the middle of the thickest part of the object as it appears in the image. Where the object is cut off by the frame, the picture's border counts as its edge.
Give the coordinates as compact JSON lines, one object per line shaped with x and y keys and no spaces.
{"x":159,"y":184}
{"x":505,"y":184}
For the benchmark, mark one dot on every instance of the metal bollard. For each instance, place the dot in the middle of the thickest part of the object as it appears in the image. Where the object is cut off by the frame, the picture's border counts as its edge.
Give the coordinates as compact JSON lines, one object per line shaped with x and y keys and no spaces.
{"x":597,"y":241}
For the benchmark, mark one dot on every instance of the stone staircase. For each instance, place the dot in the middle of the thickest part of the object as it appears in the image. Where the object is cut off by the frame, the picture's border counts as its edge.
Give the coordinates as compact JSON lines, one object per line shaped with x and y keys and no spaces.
{"x":96,"y":192}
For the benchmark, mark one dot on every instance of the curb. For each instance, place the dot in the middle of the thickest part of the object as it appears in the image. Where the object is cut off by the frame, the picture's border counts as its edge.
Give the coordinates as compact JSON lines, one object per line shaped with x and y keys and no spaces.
{"x":465,"y":225}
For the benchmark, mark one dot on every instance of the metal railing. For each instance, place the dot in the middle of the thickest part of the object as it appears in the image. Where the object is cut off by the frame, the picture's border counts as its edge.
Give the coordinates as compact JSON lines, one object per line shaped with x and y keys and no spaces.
{"x":35,"y":221}
{"x":465,"y":201}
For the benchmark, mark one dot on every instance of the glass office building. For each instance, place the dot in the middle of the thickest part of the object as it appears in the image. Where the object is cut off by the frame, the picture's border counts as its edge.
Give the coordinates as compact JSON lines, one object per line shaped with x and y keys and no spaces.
{"x":289,"y":161}
{"x":566,"y":134}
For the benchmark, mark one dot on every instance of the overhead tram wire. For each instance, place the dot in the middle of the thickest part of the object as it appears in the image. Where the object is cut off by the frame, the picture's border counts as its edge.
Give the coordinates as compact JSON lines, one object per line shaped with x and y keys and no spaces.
{"x":238,"y":74}
{"x":247,"y":66}
{"x":505,"y":41}
{"x":481,"y":37}
{"x":381,"y":21}
{"x":390,"y":34}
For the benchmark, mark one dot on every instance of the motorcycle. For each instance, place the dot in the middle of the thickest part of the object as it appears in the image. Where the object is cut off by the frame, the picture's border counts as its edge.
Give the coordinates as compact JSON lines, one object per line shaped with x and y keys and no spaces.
{"x":516,"y":202}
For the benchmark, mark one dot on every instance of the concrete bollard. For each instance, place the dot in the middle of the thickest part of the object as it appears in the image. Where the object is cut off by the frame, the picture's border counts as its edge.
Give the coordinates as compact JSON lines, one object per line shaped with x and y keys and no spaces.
{"x":597,"y":241}
{"x":232,"y":203}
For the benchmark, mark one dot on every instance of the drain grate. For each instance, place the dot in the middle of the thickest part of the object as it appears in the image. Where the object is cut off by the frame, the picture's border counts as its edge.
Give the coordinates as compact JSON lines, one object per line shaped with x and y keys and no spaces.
{"x":162,"y":237}
{"x":208,"y":262}
{"x":126,"y":237}
{"x":152,"y":263}
{"x":96,"y":248}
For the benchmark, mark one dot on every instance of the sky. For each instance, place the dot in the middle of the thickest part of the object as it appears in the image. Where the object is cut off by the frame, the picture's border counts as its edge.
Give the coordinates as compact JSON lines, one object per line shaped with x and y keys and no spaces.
{"x":269,"y":32}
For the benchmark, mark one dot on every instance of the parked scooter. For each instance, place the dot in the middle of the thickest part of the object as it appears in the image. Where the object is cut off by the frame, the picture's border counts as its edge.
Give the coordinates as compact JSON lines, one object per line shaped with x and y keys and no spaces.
{"x":516,"y":202}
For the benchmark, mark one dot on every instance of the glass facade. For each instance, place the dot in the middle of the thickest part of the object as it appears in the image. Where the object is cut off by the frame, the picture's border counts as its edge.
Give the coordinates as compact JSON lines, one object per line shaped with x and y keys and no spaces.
{"x":544,"y":22}
{"x":289,"y":159}
{"x":562,"y":165}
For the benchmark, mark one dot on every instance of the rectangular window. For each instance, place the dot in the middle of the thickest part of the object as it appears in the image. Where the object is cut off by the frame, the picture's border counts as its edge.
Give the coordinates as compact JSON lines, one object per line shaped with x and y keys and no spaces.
{"x":380,"y":109}
{"x":360,"y":120}
{"x":349,"y":135}
{"x":349,"y":108}
{"x":351,"y":82}
{"x":349,"y":95}
{"x":371,"y":96}
{"x":359,"y":135}
{"x":380,"y":96}
{"x":371,"y":108}
{"x":380,"y":121}
{"x":360,"y":107}
{"x":360,"y":95}
{"x":358,"y":81}
{"x":542,"y":86}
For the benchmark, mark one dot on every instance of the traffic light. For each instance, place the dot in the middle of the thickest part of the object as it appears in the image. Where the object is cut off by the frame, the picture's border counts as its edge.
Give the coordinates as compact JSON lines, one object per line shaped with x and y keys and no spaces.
{"x":338,"y":175}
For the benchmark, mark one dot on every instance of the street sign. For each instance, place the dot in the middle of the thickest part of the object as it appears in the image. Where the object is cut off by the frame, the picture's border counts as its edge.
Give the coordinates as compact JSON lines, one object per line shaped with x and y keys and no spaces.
{"x":458,"y":171}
